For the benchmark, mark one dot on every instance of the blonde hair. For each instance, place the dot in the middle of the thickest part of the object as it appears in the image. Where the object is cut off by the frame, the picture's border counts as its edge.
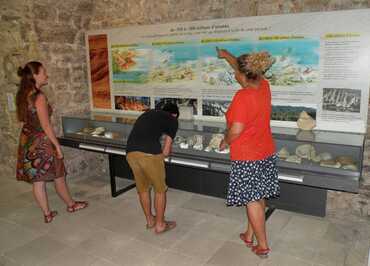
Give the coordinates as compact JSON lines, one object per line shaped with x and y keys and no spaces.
{"x":254,"y":65}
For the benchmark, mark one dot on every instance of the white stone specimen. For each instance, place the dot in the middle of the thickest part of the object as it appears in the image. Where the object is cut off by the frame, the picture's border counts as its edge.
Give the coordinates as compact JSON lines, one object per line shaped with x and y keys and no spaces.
{"x":178,"y":140}
{"x":198,"y":142}
{"x":227,"y":150}
{"x":325,"y":156}
{"x":108,"y":134}
{"x":190,"y":141}
{"x":330,"y":163}
{"x":215,"y":141}
{"x":294,"y":159}
{"x":306,"y":151}
{"x":305,"y":121}
{"x":98,"y":131}
{"x":350,"y":167}
{"x":184,"y":145}
{"x":283,"y":153}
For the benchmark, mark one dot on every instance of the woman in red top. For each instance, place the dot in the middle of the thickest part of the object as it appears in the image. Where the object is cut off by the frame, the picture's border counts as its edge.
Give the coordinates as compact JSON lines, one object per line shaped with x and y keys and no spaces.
{"x":253,"y":176}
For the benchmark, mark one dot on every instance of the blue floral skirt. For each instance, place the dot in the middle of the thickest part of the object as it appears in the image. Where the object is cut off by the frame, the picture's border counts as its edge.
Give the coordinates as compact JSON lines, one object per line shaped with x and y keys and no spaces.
{"x":252,"y":181}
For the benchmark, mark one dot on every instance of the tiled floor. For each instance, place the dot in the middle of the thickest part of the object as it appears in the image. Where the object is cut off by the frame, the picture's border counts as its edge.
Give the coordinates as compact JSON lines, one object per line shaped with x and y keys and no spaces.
{"x":112,"y":232}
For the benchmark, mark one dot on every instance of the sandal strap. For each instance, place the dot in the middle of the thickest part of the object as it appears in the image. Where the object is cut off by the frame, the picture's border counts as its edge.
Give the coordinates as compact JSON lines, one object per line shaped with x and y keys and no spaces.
{"x":78,"y":205}
{"x":48,"y":218}
{"x":260,"y":251}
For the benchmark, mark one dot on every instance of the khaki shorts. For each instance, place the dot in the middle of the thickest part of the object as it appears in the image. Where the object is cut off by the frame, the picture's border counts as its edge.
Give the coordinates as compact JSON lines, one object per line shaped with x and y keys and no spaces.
{"x":148,"y":171}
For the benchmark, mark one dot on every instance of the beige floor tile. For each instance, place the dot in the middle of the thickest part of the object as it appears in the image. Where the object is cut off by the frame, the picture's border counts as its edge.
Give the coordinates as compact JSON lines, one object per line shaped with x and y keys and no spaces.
{"x":234,"y":255}
{"x":14,"y":190}
{"x":279,"y":259}
{"x":170,"y":258}
{"x":70,"y":230}
{"x":31,"y":218}
{"x":104,"y":243}
{"x":128,"y":225}
{"x":102,"y":216}
{"x":177,"y":197}
{"x":70,"y":256}
{"x":126,"y":206}
{"x":187,"y":217}
{"x":197,"y":245}
{"x":342,"y":233}
{"x":305,"y":228}
{"x":4,"y":261}
{"x":136,"y":252}
{"x":36,"y":251}
{"x":330,"y":253}
{"x":216,"y":227}
{"x":298,"y":249}
{"x":215,"y":206}
{"x":13,"y":235}
{"x":103,"y":262}
{"x":7,"y":209}
{"x":278,"y":220}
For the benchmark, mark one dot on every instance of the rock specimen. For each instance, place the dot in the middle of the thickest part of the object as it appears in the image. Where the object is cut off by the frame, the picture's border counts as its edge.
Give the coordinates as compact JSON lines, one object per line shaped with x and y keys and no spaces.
{"x":305,"y":121}
{"x":283,"y":153}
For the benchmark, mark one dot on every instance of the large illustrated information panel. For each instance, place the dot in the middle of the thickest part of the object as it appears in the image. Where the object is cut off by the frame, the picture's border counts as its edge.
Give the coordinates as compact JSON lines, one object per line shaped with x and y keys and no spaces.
{"x":321,"y":66}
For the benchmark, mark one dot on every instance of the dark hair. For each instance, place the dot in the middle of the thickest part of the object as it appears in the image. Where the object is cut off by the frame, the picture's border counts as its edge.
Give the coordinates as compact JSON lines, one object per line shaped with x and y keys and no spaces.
{"x":171,"y":108}
{"x":27,"y":85}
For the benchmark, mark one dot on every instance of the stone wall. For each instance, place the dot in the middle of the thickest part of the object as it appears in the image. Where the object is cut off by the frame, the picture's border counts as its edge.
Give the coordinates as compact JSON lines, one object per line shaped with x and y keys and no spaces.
{"x":52,"y":32}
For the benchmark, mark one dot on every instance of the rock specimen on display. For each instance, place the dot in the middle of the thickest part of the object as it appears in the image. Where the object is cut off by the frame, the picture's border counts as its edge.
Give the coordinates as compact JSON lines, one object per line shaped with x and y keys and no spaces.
{"x":305,"y":121}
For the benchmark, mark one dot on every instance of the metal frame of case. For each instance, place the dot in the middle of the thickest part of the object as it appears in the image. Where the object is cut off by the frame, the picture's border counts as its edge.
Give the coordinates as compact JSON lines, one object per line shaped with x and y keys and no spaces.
{"x":303,"y":186}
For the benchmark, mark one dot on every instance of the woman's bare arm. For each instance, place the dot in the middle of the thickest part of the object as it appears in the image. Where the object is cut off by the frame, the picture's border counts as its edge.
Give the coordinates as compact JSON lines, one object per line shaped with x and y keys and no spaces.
{"x":234,"y":132}
{"x":43,"y":115}
{"x":231,"y":134}
{"x":223,"y":53}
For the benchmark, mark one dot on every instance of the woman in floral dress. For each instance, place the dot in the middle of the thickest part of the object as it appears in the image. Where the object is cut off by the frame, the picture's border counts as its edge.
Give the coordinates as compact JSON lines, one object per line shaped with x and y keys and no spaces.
{"x":40,"y":157}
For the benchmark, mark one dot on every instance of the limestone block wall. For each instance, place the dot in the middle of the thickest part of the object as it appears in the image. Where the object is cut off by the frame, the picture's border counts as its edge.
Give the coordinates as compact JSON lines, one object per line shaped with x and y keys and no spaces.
{"x":52,"y":32}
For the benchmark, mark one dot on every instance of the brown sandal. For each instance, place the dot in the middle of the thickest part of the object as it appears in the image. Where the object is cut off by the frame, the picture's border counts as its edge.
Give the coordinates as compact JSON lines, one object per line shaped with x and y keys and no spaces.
{"x":78,"y":205}
{"x":49,"y":217}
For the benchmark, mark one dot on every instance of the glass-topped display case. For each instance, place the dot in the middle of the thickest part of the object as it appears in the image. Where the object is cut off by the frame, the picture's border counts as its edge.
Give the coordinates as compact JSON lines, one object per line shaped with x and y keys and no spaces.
{"x":324,"y":159}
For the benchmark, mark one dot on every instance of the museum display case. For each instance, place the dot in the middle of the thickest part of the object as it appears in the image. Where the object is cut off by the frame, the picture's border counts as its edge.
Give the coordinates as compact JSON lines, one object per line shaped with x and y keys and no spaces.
{"x":301,"y":153}
{"x":314,"y":159}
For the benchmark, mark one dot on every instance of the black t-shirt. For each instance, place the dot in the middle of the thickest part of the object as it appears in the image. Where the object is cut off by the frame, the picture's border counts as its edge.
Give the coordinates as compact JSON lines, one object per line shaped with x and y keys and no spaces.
{"x":148,"y":129}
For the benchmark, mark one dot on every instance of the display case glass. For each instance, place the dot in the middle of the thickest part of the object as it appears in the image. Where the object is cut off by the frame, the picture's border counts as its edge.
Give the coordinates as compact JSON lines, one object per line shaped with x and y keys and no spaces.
{"x":315,"y":158}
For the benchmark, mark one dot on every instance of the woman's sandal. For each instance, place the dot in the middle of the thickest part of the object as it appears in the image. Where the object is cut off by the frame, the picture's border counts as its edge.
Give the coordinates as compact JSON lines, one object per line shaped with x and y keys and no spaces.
{"x":78,"y":205}
{"x":248,"y":243}
{"x":261,"y":252}
{"x":49,"y":217}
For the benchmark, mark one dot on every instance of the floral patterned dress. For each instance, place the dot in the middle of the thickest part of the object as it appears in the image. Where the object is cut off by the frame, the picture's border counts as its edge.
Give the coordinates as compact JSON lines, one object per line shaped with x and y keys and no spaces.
{"x":37,"y":159}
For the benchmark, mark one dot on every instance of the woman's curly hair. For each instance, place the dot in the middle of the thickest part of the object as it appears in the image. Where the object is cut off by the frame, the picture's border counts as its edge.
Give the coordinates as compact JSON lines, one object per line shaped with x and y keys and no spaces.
{"x":256,"y":64}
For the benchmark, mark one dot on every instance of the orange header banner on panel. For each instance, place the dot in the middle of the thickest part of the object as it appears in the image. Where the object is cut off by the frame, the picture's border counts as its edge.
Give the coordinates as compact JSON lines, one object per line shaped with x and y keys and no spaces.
{"x":99,"y":71}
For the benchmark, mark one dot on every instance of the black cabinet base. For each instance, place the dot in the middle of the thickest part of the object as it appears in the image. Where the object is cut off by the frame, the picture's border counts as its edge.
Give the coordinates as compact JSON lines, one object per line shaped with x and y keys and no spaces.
{"x":293,"y":197}
{"x":302,"y":199}
{"x":118,"y":167}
